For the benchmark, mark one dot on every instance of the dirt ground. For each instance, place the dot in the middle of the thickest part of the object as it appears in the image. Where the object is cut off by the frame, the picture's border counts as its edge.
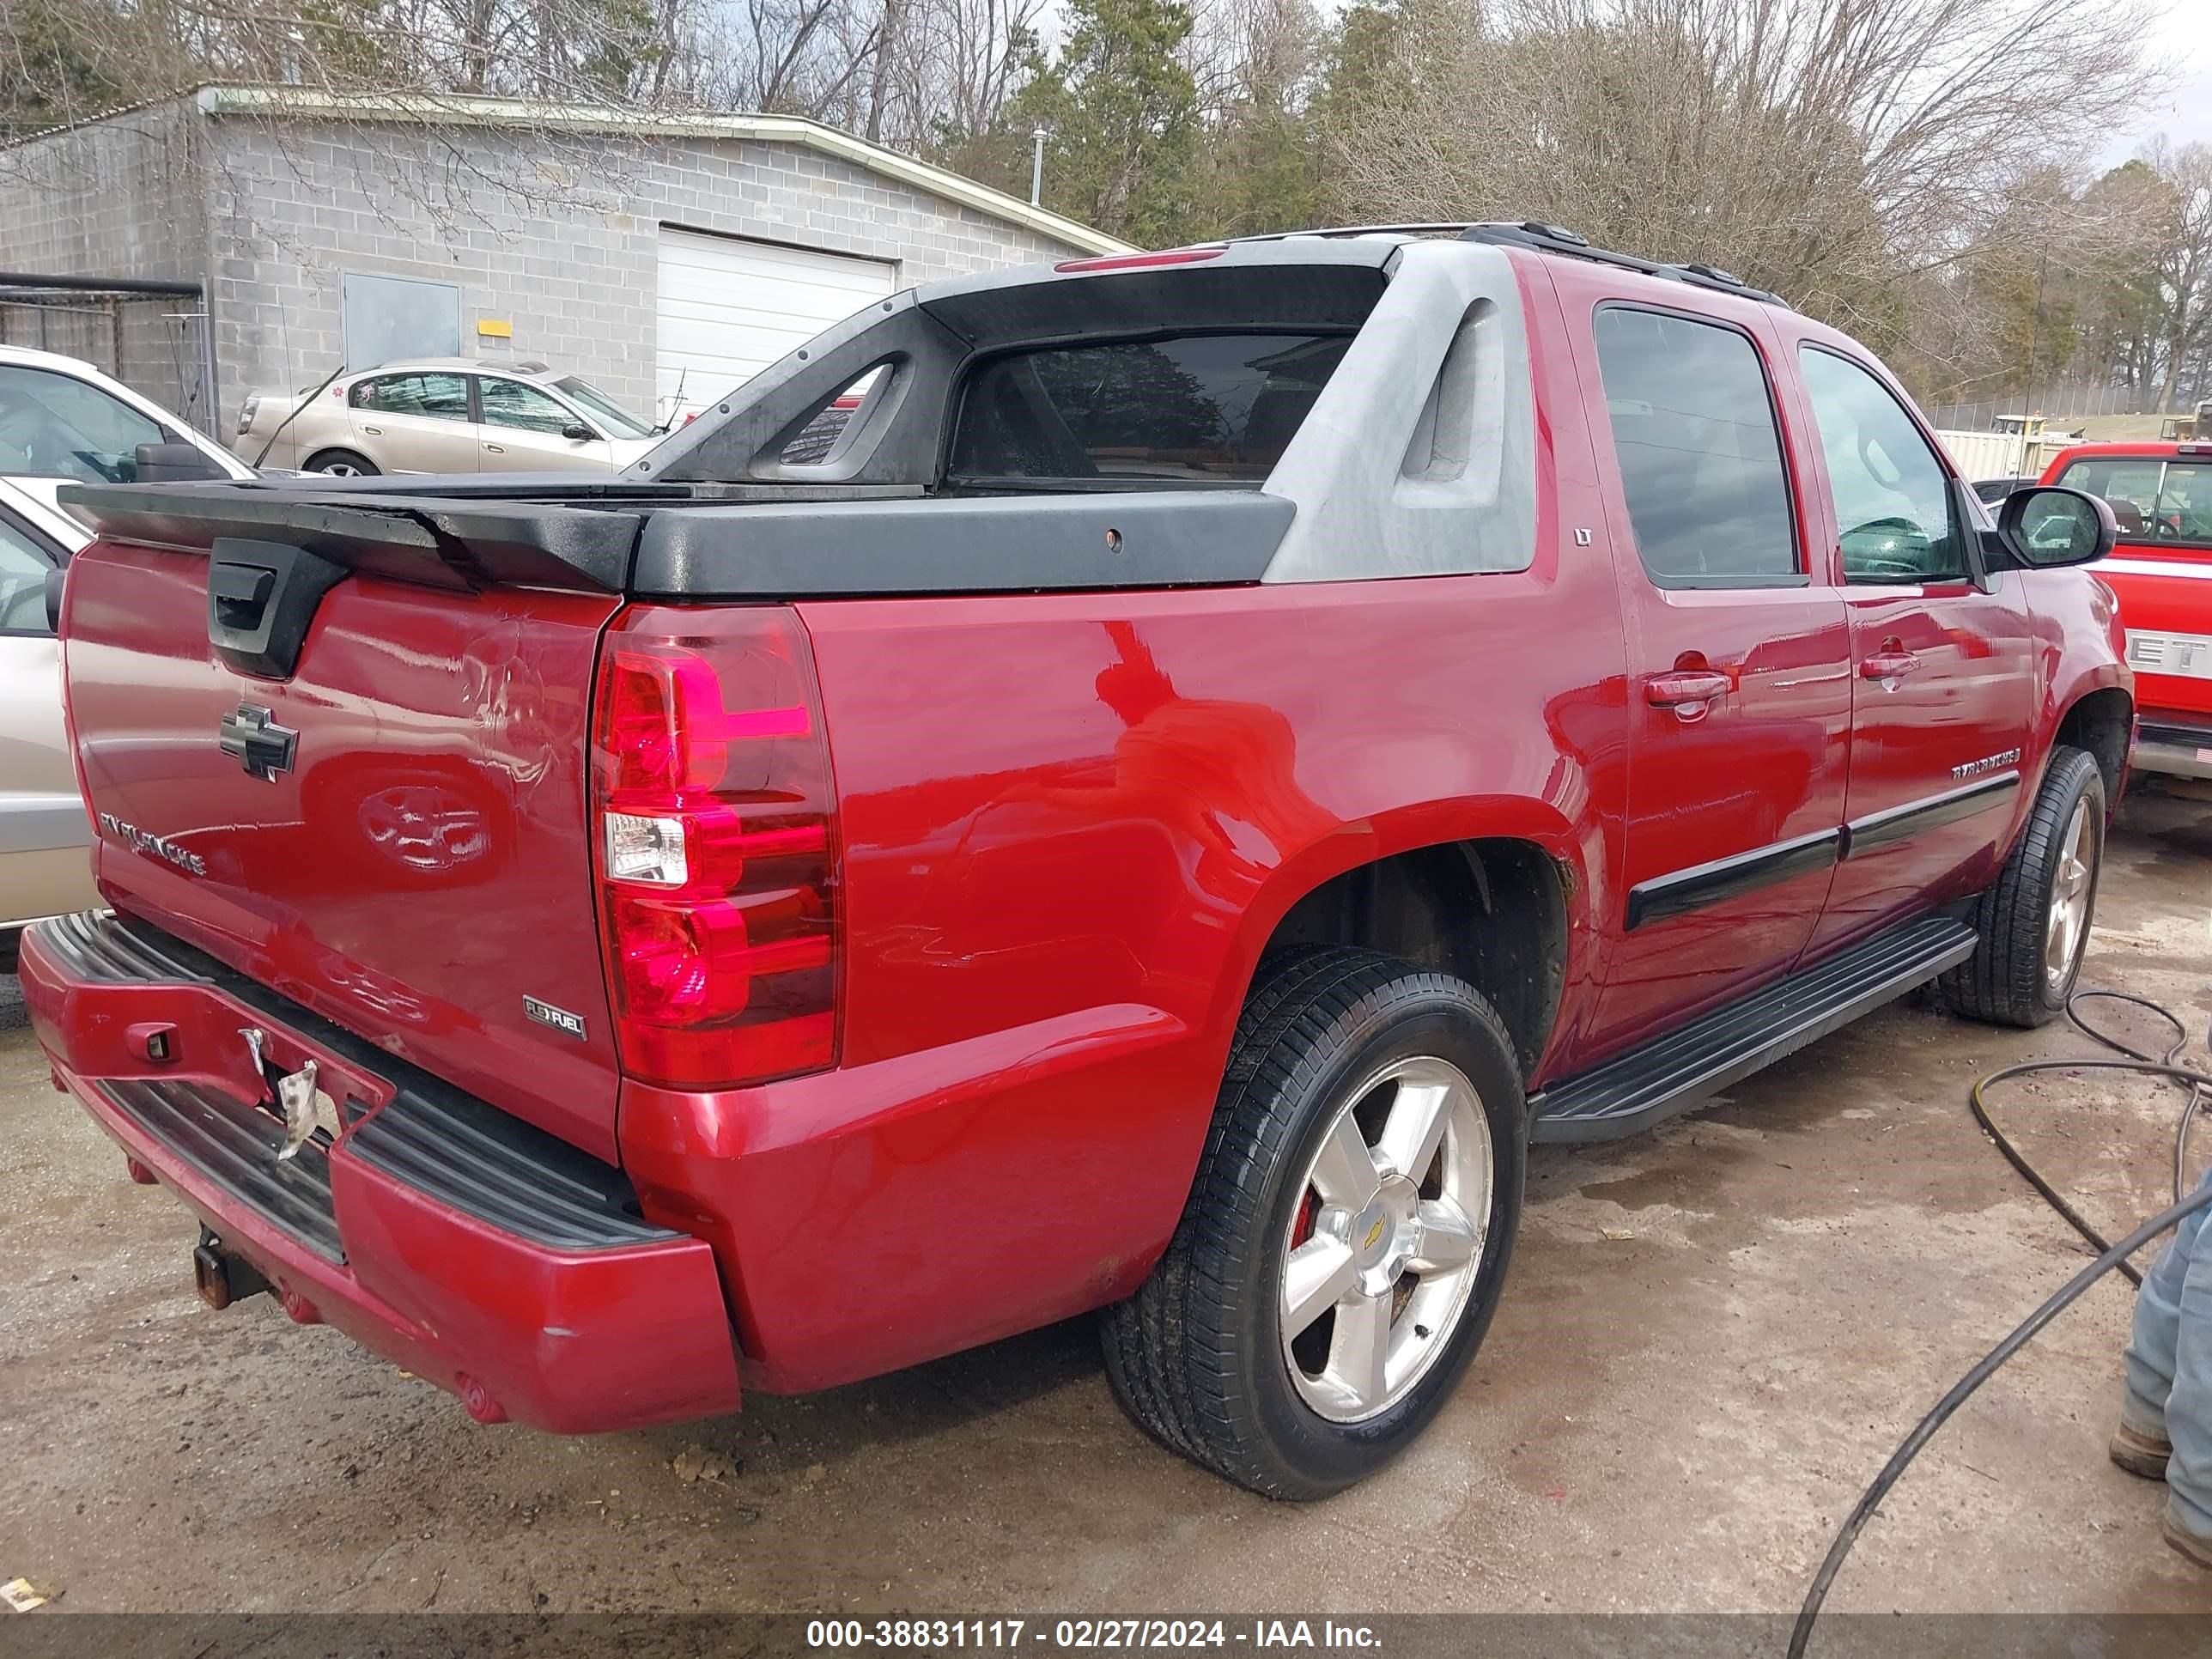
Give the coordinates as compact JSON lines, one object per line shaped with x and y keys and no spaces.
{"x":1711,"y":1340}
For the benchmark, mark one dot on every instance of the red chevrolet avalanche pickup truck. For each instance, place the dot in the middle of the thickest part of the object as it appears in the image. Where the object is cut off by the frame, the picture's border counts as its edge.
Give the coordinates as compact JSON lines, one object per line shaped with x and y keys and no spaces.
{"x":1219,"y":752}
{"x":2161,"y":495}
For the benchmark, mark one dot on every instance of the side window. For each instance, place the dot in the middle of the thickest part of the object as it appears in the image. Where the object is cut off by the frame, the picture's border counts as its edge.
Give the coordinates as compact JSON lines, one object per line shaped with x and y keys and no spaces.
{"x":511,"y":403}
{"x":23,"y":567}
{"x":438,"y":397}
{"x":1896,"y":515}
{"x":53,"y":427}
{"x":1700,"y":454}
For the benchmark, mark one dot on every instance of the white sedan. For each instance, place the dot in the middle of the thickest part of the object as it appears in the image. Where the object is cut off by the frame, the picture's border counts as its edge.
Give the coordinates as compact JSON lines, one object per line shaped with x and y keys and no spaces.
{"x":61,"y":419}
{"x":45,"y":867}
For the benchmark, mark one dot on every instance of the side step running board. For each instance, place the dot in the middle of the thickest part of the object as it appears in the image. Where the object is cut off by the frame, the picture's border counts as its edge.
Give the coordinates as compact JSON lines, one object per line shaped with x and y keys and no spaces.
{"x":1670,"y":1074}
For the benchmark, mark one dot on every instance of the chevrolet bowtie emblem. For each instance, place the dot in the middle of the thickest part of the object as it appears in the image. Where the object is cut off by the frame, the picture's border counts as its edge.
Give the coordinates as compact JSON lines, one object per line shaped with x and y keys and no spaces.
{"x":262,"y":747}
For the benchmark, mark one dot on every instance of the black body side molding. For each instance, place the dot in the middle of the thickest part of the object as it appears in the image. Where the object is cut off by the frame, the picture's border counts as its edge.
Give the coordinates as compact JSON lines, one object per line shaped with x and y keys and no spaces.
{"x":1881,"y":828}
{"x":1684,"y":890}
{"x":1680,"y":891}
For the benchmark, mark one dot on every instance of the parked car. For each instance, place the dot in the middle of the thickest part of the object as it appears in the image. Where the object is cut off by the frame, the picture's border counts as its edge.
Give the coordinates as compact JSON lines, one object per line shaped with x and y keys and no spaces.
{"x":1228,"y":747}
{"x":2161,"y":496}
{"x":1994,"y":490}
{"x":46,"y":867}
{"x":446,"y":415}
{"x":62,"y":418}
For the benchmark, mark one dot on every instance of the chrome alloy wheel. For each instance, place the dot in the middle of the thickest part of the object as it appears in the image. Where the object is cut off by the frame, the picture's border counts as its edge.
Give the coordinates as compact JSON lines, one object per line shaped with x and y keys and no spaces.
{"x":339,"y":469}
{"x":2070,"y":883}
{"x":1387,"y":1239}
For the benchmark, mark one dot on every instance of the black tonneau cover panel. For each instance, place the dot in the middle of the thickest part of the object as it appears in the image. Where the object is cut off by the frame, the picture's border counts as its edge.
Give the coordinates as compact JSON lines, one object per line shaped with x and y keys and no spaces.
{"x":465,"y":536}
{"x":671,"y":542}
{"x":953,"y":544}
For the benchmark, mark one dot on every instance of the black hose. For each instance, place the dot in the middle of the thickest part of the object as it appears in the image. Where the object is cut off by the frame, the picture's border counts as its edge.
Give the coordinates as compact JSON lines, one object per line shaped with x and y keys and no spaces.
{"x":2110,"y":1257}
{"x":1960,"y":1390}
{"x":2142,"y":1065}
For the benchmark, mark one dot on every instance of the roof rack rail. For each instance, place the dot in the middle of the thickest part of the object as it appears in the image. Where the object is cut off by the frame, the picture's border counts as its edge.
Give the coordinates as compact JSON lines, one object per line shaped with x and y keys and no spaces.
{"x":1448,"y":227}
{"x":1546,"y":239}
{"x":1551,"y":239}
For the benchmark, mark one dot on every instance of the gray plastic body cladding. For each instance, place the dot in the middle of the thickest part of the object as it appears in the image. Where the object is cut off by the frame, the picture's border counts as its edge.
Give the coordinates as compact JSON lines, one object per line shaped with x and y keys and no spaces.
{"x":1364,"y":509}
{"x":953,"y":544}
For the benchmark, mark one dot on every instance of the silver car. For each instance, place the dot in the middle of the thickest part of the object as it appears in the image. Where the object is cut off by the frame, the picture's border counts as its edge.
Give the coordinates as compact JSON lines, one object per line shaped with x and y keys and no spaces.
{"x":44,"y":868}
{"x":444,"y":415}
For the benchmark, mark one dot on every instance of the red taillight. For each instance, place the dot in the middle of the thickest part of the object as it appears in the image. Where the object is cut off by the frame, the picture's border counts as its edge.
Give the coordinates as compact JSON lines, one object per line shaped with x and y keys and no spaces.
{"x":716,"y":850}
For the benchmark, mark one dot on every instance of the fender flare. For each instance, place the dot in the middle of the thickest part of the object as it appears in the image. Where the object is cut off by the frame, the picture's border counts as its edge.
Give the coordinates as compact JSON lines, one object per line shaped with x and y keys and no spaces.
{"x":1402,"y":830}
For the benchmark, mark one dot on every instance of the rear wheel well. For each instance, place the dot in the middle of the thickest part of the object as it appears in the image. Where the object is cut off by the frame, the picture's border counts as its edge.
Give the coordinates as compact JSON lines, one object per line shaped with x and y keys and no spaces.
{"x":1493,"y":913}
{"x":2102,"y":723}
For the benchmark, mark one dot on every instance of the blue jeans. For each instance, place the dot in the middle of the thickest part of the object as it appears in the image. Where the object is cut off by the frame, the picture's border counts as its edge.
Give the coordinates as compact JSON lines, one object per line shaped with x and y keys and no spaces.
{"x":2169,"y":1367}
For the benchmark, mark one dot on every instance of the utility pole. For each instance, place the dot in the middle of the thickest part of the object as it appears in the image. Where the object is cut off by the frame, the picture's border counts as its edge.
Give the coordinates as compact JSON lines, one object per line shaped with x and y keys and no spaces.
{"x":1036,"y":168}
{"x":2035,"y":338}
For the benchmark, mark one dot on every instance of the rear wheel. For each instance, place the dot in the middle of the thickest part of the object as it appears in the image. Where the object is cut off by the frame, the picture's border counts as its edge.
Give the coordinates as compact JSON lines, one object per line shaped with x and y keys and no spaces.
{"x":2034,"y":918}
{"x":1347,"y":1235}
{"x":343,"y":464}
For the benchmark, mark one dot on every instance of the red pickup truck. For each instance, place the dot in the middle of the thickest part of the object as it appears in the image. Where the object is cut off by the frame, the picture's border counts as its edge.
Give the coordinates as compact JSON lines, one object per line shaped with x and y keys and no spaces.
{"x":1220,"y":751}
{"x":2161,"y":494}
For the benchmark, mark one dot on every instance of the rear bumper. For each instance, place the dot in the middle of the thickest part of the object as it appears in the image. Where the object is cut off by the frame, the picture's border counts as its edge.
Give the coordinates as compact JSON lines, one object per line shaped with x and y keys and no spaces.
{"x":2176,"y":745}
{"x":471,"y":1249}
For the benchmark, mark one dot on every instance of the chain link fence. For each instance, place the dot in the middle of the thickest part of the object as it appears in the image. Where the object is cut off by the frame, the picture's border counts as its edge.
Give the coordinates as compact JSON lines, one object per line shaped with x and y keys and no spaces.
{"x":2061,"y":405}
{"x":153,"y":336}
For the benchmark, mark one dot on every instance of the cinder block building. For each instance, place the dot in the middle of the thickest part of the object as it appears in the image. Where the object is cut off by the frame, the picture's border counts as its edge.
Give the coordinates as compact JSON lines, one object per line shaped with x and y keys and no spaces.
{"x":664,"y":259}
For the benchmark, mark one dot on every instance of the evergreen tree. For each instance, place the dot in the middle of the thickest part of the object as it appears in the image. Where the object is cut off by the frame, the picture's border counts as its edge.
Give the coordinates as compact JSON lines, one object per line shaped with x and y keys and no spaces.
{"x":1119,"y":113}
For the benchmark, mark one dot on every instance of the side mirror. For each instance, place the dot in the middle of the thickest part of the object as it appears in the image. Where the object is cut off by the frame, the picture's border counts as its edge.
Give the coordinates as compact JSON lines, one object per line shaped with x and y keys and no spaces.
{"x":2048,"y":526}
{"x":56,"y":579}
{"x":174,"y":464}
{"x":579,"y":432}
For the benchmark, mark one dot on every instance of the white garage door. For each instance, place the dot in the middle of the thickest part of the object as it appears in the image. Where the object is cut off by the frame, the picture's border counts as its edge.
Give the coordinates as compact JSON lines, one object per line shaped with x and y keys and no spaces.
{"x":728,"y":308}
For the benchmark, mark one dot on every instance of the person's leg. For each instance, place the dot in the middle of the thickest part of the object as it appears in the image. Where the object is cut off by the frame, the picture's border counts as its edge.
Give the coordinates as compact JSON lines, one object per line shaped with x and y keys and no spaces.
{"x":2189,"y":1410}
{"x":2142,"y":1446}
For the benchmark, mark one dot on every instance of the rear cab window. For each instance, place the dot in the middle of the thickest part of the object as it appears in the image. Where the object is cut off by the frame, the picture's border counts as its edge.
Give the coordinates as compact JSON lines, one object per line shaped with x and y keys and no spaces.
{"x":1203,"y":409}
{"x":2155,"y":499}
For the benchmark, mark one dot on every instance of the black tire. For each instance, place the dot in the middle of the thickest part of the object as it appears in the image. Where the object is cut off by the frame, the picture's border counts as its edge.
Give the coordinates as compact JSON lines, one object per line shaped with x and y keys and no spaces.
{"x":1197,"y":1356}
{"x":2005,"y":982}
{"x":11,"y":942}
{"x":329,"y":460}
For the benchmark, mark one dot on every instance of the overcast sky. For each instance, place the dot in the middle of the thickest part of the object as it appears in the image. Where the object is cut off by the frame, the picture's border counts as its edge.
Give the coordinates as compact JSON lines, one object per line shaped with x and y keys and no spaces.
{"x":2184,"y":44}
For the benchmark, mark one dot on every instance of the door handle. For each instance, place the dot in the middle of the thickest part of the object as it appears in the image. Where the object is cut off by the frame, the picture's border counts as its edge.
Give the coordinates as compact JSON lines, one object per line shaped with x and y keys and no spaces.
{"x":1887,"y":666}
{"x":1690,"y":694}
{"x":374,"y":431}
{"x":497,"y":449}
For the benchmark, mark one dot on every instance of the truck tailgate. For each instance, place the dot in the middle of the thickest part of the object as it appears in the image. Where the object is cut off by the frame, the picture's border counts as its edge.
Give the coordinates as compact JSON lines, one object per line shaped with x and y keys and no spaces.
{"x":394,"y":835}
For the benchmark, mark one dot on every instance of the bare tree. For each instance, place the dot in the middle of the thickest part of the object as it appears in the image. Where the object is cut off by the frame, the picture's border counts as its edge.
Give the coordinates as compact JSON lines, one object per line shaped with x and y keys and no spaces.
{"x":1848,"y":152}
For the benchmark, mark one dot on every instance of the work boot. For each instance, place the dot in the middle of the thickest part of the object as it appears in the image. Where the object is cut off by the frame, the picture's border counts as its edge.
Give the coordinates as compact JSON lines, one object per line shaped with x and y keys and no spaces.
{"x":2140,"y":1453}
{"x":2194,"y":1545}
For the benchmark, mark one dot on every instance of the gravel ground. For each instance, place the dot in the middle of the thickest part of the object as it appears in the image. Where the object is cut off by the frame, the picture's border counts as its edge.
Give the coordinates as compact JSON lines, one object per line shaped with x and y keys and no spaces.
{"x":1712,"y":1338}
